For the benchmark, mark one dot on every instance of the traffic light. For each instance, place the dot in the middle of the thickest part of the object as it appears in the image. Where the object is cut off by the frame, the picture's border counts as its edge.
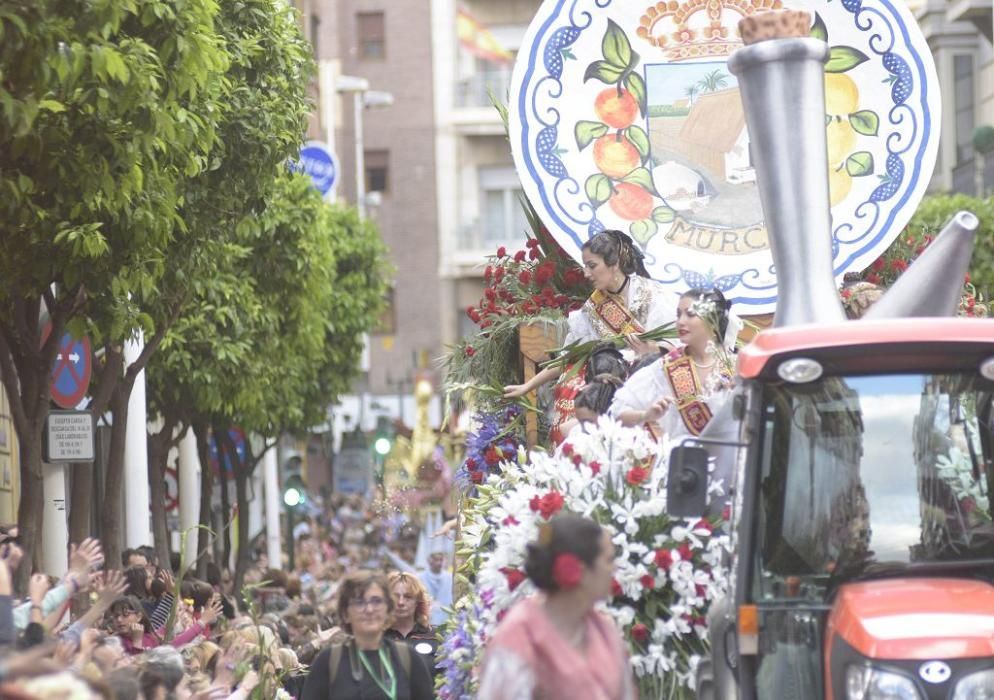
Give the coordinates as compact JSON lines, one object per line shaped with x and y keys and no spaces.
{"x":383,"y":439}
{"x":294,"y":492}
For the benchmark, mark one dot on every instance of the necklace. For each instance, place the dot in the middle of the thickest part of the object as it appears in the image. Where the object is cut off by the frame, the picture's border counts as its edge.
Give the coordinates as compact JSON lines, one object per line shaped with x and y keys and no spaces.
{"x":388,"y":673}
{"x":620,"y":289}
{"x":701,"y":365}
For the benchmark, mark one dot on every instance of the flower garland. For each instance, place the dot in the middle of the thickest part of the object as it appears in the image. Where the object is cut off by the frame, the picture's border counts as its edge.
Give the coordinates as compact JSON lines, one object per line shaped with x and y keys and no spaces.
{"x":496,"y":439}
{"x":668,"y":570}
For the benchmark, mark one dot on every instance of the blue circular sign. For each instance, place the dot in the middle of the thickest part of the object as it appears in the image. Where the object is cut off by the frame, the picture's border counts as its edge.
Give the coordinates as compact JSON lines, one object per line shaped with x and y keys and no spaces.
{"x":319,"y":163}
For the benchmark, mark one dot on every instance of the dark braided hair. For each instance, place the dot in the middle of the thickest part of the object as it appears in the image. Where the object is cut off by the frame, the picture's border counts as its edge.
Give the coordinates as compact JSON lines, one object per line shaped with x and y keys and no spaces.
{"x":617,"y":248}
{"x":598,"y":393}
{"x":606,"y":359}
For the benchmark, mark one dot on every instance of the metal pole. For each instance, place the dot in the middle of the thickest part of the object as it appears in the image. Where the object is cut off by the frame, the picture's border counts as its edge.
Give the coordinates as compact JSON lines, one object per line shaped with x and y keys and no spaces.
{"x":273,"y":498}
{"x":360,"y":156}
{"x":289,"y":540}
{"x":55,"y":532}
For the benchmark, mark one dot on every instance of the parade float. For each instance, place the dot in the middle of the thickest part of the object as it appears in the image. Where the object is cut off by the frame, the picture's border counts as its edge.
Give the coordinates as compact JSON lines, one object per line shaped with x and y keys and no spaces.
{"x":770,"y":187}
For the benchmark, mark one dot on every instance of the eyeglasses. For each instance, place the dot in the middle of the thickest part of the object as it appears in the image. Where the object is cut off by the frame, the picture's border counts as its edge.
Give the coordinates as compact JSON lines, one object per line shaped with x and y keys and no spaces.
{"x":374,"y":602}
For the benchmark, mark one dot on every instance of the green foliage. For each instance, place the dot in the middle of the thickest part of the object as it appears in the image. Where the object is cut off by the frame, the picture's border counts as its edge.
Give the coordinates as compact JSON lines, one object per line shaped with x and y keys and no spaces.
{"x":983,"y":139}
{"x":276,"y":337}
{"x":936,"y":210}
{"x":105,"y":108}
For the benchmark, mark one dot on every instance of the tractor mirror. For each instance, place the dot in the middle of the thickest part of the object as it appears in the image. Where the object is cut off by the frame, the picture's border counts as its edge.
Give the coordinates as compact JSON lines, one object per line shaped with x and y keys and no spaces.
{"x":687,"y":485}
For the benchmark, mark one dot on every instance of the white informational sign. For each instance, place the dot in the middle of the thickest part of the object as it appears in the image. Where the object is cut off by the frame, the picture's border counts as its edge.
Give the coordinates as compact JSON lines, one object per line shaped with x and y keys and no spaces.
{"x":69,"y":436}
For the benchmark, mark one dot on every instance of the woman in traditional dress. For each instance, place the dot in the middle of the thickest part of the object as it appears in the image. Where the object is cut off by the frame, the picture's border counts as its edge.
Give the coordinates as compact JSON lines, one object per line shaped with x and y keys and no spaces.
{"x":681,"y":391}
{"x":555,"y":645}
{"x":624,"y":302}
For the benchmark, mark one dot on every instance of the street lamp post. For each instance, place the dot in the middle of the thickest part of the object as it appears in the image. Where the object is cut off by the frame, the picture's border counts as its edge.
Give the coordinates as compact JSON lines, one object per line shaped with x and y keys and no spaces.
{"x":362,"y":97}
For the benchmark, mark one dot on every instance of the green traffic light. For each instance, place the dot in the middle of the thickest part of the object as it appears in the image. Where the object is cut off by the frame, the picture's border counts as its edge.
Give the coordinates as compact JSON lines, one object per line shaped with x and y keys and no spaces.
{"x":382,"y":446}
{"x":293,"y":497}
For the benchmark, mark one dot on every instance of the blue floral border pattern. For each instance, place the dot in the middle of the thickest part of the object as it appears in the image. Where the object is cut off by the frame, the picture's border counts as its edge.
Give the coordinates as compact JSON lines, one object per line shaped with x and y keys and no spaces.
{"x":905,"y":151}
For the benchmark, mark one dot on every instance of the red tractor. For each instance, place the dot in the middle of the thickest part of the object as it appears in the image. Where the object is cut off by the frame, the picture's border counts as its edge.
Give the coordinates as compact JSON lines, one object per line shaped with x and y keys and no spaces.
{"x":862,"y":522}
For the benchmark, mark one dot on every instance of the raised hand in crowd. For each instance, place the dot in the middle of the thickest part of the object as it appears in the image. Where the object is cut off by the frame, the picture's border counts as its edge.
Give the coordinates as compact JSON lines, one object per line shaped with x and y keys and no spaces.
{"x":83,"y":561}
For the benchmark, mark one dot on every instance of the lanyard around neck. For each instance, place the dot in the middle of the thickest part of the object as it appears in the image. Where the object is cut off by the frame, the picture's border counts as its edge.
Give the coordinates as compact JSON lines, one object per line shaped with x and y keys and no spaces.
{"x":388,"y":670}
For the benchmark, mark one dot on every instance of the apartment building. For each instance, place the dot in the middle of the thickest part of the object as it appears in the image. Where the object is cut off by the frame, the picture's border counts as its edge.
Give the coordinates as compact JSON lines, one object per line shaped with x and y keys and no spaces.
{"x":960,"y":33}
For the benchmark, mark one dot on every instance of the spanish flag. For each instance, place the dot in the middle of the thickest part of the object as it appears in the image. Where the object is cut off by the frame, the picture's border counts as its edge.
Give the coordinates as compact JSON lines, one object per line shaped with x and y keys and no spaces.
{"x":478,"y":40}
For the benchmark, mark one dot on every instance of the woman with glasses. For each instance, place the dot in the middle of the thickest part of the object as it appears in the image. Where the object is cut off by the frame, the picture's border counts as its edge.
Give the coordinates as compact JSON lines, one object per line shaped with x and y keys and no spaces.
{"x":367,"y":666}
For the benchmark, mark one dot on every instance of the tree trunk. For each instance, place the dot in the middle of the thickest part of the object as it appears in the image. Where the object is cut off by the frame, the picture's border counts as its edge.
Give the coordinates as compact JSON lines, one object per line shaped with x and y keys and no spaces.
{"x":110,"y":520}
{"x":226,"y":514}
{"x":206,"y":484}
{"x":80,"y":501}
{"x":243,"y":556}
{"x":32,"y":502}
{"x":158,"y":454}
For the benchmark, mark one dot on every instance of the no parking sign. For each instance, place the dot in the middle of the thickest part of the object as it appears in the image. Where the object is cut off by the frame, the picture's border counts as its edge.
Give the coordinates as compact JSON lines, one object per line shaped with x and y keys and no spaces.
{"x":72,"y":370}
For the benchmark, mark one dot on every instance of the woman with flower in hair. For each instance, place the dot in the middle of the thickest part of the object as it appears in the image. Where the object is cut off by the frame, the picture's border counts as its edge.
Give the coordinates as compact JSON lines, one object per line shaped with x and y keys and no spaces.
{"x":555,"y":645}
{"x":682,"y":391}
{"x":625,"y":302}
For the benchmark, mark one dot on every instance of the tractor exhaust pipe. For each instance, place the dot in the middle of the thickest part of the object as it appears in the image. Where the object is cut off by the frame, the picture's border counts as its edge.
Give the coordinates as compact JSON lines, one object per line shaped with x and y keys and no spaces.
{"x":933,"y":284}
{"x":781,"y":80}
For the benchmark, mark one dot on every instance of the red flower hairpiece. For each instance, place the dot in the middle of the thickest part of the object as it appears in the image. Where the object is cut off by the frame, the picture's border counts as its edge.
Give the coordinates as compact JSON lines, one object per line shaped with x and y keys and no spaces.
{"x":567,"y":571}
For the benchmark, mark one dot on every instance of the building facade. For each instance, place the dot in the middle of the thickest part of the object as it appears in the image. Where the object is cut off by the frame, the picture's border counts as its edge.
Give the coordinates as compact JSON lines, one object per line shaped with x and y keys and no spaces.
{"x":960,"y":32}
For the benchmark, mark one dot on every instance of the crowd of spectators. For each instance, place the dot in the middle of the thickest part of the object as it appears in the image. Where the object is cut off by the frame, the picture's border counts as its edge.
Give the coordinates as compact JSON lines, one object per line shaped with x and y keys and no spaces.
{"x":145,"y":630}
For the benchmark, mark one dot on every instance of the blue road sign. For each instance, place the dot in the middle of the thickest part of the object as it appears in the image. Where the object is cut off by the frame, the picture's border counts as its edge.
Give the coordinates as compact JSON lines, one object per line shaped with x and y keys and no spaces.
{"x":237,"y":436}
{"x":319,"y":163}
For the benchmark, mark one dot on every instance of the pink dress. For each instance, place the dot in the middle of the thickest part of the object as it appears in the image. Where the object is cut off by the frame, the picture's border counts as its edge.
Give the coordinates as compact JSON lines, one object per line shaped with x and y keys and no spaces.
{"x":528,"y":659}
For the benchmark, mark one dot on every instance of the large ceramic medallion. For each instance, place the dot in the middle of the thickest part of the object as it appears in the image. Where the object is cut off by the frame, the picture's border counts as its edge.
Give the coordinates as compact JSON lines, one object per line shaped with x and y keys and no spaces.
{"x":624,"y":115}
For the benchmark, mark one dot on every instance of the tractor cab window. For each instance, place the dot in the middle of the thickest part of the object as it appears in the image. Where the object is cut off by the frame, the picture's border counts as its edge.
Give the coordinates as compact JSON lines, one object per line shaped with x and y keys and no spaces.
{"x":868,"y":476}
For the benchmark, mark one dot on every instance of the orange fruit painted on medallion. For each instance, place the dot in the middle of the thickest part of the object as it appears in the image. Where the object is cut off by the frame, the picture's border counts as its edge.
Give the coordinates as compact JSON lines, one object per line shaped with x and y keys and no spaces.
{"x":616,"y":108}
{"x":631,"y":202}
{"x":615,"y":155}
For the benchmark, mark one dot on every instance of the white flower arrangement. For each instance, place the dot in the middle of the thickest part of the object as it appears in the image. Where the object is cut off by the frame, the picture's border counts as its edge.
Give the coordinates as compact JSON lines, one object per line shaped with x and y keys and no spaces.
{"x":668,"y":570}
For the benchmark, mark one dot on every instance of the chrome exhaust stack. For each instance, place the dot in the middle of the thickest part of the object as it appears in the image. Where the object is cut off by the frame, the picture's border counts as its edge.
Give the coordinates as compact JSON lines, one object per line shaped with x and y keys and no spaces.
{"x":781,"y":80}
{"x":933,"y":284}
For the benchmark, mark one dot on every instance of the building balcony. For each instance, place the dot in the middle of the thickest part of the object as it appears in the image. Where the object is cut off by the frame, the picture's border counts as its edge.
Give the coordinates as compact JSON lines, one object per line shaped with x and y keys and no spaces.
{"x":979,"y":12}
{"x":473,"y":112}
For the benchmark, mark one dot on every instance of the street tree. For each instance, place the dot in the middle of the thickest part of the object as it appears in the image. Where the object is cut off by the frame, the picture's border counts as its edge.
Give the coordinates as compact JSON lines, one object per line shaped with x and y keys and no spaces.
{"x":312,"y":284}
{"x":106,"y":108}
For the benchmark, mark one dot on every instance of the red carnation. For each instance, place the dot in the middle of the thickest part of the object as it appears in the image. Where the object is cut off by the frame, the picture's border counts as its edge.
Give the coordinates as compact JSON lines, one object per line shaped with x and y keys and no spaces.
{"x":501,"y":252}
{"x":509,"y":520}
{"x":531,"y":243}
{"x":525,"y":277}
{"x":966,"y":280}
{"x":897,"y":265}
{"x":616,"y":590}
{"x":873,"y":278}
{"x":489,"y":293}
{"x":640,"y":632}
{"x":498,"y":274}
{"x":879,"y":264}
{"x":470,"y":463}
{"x":532,"y":254}
{"x":488,"y":273}
{"x":476,"y":477}
{"x":636,"y":475}
{"x":577,"y":460}
{"x":664,"y":559}
{"x":726,"y":512}
{"x":648,"y":581}
{"x":470,"y":351}
{"x":686,"y":553}
{"x":544,"y":272}
{"x":515,"y":577}
{"x":486,"y":324}
{"x":595,"y":467}
{"x":703,"y":524}
{"x":547,"y":505}
{"x":519,"y":256}
{"x":567,"y":449}
{"x":491,"y":456}
{"x":567,"y":570}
